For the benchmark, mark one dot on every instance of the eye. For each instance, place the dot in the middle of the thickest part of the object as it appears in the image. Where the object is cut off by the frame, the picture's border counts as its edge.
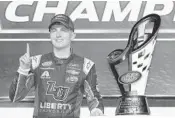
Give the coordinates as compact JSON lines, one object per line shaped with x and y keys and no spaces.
{"x":53,"y":30}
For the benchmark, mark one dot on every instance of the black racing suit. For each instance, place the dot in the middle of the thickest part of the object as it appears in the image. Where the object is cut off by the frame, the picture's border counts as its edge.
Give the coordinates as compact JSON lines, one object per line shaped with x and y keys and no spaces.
{"x":59,"y":86}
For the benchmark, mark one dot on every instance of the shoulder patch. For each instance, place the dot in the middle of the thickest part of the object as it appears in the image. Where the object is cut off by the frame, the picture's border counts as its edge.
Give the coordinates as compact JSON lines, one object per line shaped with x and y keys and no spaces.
{"x":35,"y":61}
{"x":87,"y":65}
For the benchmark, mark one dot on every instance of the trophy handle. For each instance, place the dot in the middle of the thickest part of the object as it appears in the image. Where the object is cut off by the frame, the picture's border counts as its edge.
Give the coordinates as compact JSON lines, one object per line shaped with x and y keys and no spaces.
{"x":116,"y":75}
{"x":114,"y":58}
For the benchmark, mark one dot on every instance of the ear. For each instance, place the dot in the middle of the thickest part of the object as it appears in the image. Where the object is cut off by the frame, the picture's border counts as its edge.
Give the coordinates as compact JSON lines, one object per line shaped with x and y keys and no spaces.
{"x":73,"y":35}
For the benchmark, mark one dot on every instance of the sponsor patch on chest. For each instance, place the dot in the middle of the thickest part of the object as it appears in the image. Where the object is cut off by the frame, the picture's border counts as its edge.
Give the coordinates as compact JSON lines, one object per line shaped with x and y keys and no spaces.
{"x":47,"y":64}
{"x":74,"y":66}
{"x":45,"y":75}
{"x":72,"y":79}
{"x":73,"y":72}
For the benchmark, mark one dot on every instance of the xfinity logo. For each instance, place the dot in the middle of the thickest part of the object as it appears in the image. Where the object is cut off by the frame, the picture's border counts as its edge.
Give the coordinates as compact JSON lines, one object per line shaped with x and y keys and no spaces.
{"x":46,"y":64}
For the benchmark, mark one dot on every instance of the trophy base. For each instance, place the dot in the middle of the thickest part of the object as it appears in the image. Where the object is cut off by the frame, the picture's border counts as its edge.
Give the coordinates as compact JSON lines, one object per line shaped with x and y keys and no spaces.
{"x":132,"y":105}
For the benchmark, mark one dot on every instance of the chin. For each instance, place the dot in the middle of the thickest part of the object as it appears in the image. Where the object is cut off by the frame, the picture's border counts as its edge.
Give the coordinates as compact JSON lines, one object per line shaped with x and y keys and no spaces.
{"x":60,"y":46}
{"x":56,"y":45}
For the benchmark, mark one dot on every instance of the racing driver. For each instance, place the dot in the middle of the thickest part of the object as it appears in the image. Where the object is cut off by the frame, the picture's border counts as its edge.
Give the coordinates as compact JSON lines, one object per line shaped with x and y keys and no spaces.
{"x":60,"y":78}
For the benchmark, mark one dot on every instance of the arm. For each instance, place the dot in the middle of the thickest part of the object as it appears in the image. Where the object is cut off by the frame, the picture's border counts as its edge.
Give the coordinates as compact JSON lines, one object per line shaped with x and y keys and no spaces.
{"x":94,"y":99}
{"x":23,"y":81}
{"x":20,"y":86}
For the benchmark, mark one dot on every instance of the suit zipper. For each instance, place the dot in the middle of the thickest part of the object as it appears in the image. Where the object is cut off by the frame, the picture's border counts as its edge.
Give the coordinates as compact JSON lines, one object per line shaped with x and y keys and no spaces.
{"x":63,"y":83}
{"x":64,"y":77}
{"x":59,"y":69}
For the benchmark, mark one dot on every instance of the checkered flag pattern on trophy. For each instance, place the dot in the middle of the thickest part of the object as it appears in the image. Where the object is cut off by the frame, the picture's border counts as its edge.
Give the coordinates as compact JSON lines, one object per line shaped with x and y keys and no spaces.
{"x":142,"y":53}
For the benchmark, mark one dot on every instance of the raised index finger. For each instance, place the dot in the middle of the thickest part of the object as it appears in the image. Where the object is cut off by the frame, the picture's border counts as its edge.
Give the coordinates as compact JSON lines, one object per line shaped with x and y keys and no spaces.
{"x":28,"y":50}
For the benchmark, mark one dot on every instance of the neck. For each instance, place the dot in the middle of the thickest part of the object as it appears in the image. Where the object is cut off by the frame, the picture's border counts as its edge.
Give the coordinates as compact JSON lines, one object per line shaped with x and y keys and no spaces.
{"x":62,"y":53}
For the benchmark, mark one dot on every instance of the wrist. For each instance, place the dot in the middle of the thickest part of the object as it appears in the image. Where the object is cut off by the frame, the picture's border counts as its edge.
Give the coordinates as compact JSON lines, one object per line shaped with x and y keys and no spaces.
{"x":23,"y":71}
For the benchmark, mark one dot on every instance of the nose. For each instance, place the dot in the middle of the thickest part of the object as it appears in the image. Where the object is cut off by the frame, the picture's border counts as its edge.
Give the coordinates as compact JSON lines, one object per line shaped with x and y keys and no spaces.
{"x":58,"y":34}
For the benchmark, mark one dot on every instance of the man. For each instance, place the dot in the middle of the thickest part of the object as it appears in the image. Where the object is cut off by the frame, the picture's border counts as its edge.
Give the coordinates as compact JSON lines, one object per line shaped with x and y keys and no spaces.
{"x":60,"y":78}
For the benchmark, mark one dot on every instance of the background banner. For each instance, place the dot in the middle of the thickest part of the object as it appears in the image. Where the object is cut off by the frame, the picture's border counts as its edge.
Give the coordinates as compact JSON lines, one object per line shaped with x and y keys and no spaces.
{"x":93,"y":19}
{"x":101,"y":27}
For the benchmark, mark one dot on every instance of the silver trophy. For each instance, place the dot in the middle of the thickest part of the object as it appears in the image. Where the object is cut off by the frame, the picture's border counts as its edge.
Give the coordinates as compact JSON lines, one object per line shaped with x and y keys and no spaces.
{"x":131,"y":66}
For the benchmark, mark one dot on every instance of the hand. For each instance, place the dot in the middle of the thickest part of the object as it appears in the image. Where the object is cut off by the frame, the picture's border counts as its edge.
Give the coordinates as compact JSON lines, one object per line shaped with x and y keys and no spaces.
{"x":96,"y":112}
{"x":25,"y":60}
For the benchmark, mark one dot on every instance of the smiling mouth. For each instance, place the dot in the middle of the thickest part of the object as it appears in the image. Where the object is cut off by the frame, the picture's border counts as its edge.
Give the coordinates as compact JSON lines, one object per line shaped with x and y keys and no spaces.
{"x":58,"y":40}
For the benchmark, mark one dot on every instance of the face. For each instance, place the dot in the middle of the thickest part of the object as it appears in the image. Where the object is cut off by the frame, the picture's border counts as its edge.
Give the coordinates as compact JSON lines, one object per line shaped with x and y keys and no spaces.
{"x":61,"y":37}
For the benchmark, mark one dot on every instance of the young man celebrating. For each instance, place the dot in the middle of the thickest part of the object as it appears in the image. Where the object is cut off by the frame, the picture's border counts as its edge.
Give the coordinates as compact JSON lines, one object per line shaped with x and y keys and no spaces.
{"x":60,"y":78}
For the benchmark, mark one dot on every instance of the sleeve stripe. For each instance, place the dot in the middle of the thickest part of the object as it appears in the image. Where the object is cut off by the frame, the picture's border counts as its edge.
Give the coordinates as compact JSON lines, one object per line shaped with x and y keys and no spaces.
{"x":28,"y":79}
{"x":87,"y":65}
{"x":90,"y":95}
{"x":17,"y":87}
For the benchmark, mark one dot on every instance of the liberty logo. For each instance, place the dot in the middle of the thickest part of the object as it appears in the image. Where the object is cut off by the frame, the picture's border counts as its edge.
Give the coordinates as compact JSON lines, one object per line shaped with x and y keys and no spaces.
{"x":59,"y":93}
